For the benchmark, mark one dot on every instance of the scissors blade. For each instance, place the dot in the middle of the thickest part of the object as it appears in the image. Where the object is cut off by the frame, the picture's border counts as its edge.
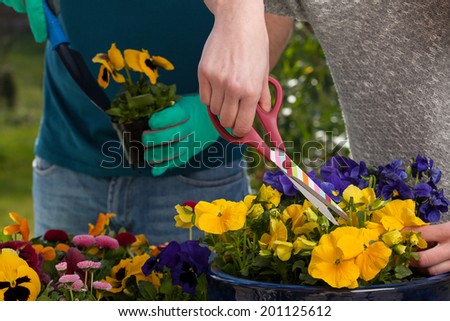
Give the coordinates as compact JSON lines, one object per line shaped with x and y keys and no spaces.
{"x":307,"y":186}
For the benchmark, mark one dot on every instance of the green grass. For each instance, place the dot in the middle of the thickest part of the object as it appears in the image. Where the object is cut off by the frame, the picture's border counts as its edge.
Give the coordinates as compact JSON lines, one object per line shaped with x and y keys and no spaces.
{"x":18,"y":129}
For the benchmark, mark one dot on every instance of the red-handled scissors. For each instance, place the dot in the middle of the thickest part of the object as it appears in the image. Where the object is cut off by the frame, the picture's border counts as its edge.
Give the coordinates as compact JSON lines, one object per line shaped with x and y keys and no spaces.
{"x":277,"y":154}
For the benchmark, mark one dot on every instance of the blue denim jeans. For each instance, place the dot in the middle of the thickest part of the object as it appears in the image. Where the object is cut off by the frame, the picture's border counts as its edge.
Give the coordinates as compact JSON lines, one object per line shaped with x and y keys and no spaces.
{"x":68,"y":200}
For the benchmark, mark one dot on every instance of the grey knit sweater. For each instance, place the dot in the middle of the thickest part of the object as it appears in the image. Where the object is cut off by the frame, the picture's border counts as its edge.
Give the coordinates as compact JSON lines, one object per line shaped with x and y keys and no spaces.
{"x":390,"y":61}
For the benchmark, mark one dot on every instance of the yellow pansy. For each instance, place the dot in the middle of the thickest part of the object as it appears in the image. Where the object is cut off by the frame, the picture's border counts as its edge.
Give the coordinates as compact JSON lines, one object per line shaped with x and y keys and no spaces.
{"x":184,"y":217}
{"x":126,"y":268}
{"x":140,"y":245}
{"x":254,"y":209}
{"x":349,"y":240}
{"x":415,"y":239}
{"x":306,"y":228}
{"x":328,"y":263}
{"x":378,"y":227}
{"x":296,"y":213}
{"x":365,"y":196}
{"x":115,"y":57}
{"x":18,"y":281}
{"x":111,"y":63}
{"x":301,"y":243}
{"x":269,"y":196}
{"x":278,"y":232}
{"x":392,"y":238}
{"x":220,"y":216}
{"x":282,"y":250}
{"x":398,"y":214}
{"x":141,"y":61}
{"x":374,"y":258}
{"x":21,"y":227}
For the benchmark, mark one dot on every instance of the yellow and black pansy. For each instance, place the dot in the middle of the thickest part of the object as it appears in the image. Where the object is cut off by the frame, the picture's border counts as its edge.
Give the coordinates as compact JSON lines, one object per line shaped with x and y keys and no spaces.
{"x":141,"y":61}
{"x":111,"y":64}
{"x":18,"y":281}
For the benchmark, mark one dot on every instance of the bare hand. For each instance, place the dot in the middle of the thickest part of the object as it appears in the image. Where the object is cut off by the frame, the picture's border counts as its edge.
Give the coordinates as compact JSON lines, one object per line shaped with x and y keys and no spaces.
{"x":436,"y":259}
{"x":234,"y":68}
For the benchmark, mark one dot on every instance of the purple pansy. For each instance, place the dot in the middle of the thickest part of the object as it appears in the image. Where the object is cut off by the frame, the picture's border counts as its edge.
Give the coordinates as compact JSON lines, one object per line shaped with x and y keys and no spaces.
{"x":431,"y":210}
{"x":397,"y":189}
{"x":279,"y":181}
{"x":422,"y":190}
{"x":186,"y":262}
{"x":422,"y":166}
{"x":345,"y":170}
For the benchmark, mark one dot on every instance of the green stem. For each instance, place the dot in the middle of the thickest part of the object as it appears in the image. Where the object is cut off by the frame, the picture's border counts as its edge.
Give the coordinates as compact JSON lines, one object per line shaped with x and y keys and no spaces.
{"x":129,"y":79}
{"x":244,"y":248}
{"x":92,"y":281}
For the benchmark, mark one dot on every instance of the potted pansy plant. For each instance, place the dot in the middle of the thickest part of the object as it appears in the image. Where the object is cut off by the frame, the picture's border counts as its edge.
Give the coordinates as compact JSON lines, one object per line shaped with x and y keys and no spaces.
{"x":139,"y":98}
{"x":275,"y":245}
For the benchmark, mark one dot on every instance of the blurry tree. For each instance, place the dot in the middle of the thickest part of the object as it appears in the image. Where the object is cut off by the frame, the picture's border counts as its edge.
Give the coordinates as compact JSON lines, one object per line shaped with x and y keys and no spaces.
{"x":310,"y":121}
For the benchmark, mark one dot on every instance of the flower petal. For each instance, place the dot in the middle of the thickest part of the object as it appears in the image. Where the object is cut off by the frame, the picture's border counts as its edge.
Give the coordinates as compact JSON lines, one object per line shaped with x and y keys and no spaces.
{"x":162,"y":62}
{"x":115,"y":57}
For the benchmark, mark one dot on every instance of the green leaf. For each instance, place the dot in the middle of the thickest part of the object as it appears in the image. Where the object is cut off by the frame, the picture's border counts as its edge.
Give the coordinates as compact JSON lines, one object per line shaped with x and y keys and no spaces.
{"x":115,"y":111}
{"x":402,"y":272}
{"x":141,"y":100}
{"x":148,"y":291}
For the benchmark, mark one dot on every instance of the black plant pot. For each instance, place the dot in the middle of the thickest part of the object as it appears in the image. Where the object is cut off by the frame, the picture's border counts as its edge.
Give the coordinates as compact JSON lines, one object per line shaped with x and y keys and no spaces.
{"x":130,"y":138}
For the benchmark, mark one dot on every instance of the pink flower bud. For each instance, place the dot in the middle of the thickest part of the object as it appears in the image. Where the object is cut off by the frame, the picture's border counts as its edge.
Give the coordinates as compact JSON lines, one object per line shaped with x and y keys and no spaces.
{"x":107,"y":242}
{"x":83,"y":240}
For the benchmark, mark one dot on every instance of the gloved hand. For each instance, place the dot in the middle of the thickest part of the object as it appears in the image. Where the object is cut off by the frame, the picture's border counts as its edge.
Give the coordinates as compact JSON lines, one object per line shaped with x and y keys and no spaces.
{"x":36,"y":16}
{"x":178,"y":133}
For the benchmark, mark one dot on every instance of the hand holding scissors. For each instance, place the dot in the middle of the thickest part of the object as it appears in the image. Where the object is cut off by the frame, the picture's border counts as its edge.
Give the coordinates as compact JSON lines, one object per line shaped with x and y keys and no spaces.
{"x":277,"y":154}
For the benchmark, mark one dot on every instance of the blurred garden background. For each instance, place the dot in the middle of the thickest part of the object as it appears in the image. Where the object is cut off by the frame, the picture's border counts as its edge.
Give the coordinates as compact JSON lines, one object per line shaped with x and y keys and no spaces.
{"x":310,"y":122}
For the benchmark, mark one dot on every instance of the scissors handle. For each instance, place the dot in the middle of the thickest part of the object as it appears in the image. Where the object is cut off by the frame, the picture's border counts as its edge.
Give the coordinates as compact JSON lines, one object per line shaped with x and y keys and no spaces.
{"x":269,"y":120}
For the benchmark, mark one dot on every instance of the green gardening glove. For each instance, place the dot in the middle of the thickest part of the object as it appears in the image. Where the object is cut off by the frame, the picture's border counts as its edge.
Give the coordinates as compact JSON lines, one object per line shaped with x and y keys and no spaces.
{"x":178,"y":133}
{"x":36,"y":16}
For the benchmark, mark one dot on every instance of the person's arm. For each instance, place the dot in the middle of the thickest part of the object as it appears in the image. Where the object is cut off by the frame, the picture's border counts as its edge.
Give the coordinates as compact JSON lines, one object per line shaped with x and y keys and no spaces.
{"x":279,"y":29}
{"x":234,"y":68}
{"x":436,"y":259}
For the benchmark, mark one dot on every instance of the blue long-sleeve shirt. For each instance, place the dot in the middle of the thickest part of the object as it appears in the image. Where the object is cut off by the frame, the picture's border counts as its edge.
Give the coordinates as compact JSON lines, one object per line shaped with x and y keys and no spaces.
{"x":74,"y":133}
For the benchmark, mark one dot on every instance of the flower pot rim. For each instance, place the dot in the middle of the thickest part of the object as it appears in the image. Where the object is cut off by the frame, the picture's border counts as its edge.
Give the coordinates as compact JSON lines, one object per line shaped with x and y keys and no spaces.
{"x":216,"y":274}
